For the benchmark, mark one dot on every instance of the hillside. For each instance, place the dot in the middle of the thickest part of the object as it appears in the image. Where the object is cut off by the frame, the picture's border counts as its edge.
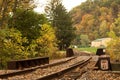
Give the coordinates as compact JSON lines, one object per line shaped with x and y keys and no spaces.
{"x":95,"y":18}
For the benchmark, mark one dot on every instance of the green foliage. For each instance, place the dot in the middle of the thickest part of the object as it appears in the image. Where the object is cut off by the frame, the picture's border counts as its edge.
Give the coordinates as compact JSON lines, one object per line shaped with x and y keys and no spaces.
{"x":28,"y":23}
{"x":40,"y":37}
{"x":62,"y":22}
{"x":77,"y":40}
{"x":84,"y":40}
{"x":65,"y":31}
{"x":26,"y":33}
{"x":50,"y":7}
{"x":7,"y":7}
{"x":11,"y":43}
{"x":88,"y":49}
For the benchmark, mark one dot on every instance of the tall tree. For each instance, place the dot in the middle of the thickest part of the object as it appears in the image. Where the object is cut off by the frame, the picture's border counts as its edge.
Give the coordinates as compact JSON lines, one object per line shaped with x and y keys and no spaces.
{"x":50,"y":10}
{"x":65,"y":32}
{"x":62,"y":23}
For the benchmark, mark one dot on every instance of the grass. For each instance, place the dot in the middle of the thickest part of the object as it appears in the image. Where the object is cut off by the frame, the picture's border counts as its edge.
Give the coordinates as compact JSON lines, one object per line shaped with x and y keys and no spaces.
{"x":89,"y":49}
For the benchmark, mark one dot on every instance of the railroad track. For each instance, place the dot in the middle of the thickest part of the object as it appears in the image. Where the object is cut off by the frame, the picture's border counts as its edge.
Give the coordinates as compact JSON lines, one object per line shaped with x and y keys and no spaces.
{"x":63,"y":71}
{"x":21,"y":73}
{"x":76,"y":71}
{"x":47,"y":71}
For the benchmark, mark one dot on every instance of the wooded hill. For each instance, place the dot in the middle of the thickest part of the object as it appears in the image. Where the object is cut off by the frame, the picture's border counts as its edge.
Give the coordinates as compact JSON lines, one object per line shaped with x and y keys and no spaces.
{"x":96,"y":18}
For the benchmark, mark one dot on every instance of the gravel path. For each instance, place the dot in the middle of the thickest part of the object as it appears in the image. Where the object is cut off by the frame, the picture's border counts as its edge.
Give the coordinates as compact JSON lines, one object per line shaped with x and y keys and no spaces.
{"x":99,"y":75}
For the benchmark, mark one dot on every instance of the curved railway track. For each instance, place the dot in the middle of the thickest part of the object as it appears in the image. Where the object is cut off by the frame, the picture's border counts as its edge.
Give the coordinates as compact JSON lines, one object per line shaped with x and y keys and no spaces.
{"x":45,"y":72}
{"x":28,"y":70}
{"x":55,"y":75}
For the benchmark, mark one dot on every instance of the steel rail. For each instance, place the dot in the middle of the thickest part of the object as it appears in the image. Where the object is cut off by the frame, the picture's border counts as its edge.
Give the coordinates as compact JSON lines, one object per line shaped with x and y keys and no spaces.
{"x":62,"y":72}
{"x":29,"y":70}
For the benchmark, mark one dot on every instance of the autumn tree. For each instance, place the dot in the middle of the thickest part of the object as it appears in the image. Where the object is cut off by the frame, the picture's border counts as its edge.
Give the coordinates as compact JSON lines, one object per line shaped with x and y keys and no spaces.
{"x":91,"y":15}
{"x":103,"y":29}
{"x":35,"y":27}
{"x":8,"y":7}
{"x":46,"y":42}
{"x":116,"y":27}
{"x":24,"y":33}
{"x":11,"y":43}
{"x":114,"y":47}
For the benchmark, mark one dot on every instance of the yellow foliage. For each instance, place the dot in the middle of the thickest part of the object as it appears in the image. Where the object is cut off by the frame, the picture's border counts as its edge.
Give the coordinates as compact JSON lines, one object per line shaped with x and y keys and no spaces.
{"x":13,"y":44}
{"x":47,"y":41}
{"x":114,"y":48}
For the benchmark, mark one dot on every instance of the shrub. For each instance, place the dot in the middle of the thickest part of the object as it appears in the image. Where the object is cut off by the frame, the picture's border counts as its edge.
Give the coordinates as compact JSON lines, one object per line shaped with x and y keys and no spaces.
{"x":11,"y":43}
{"x":114,"y":49}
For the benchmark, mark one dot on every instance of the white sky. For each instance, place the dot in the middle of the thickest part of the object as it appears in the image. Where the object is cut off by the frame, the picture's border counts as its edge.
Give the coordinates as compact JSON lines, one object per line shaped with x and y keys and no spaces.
{"x":69,"y":4}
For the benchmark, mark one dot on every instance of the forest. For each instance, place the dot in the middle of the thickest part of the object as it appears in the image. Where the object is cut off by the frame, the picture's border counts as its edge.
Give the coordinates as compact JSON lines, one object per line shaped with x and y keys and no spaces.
{"x":95,"y":19}
{"x":25,"y":33}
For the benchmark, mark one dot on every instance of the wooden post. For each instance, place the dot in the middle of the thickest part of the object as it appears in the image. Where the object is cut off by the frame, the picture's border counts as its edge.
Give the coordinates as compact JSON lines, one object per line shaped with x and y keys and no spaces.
{"x":69,"y":52}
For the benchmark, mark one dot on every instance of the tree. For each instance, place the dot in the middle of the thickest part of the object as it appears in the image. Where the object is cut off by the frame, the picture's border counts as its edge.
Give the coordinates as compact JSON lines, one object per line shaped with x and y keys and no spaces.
{"x":87,"y":23}
{"x":25,"y":34}
{"x":8,"y":7}
{"x":28,"y":23}
{"x":113,"y":49}
{"x":46,"y":42}
{"x":84,"y":40}
{"x":50,"y":8}
{"x":103,"y":29}
{"x":11,"y":43}
{"x":92,"y":15}
{"x":116,"y":27}
{"x":36,"y":29}
{"x":62,"y":23}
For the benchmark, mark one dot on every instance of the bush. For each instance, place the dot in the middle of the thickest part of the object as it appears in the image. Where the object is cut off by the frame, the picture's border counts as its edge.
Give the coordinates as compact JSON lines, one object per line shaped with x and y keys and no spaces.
{"x":84,"y":40}
{"x":114,"y":49}
{"x":13,"y":46}
{"x":11,"y":43}
{"x":46,"y":43}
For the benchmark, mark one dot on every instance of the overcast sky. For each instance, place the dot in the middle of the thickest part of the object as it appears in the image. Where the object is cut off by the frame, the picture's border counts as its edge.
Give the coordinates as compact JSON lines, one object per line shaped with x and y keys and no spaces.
{"x":69,"y":4}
